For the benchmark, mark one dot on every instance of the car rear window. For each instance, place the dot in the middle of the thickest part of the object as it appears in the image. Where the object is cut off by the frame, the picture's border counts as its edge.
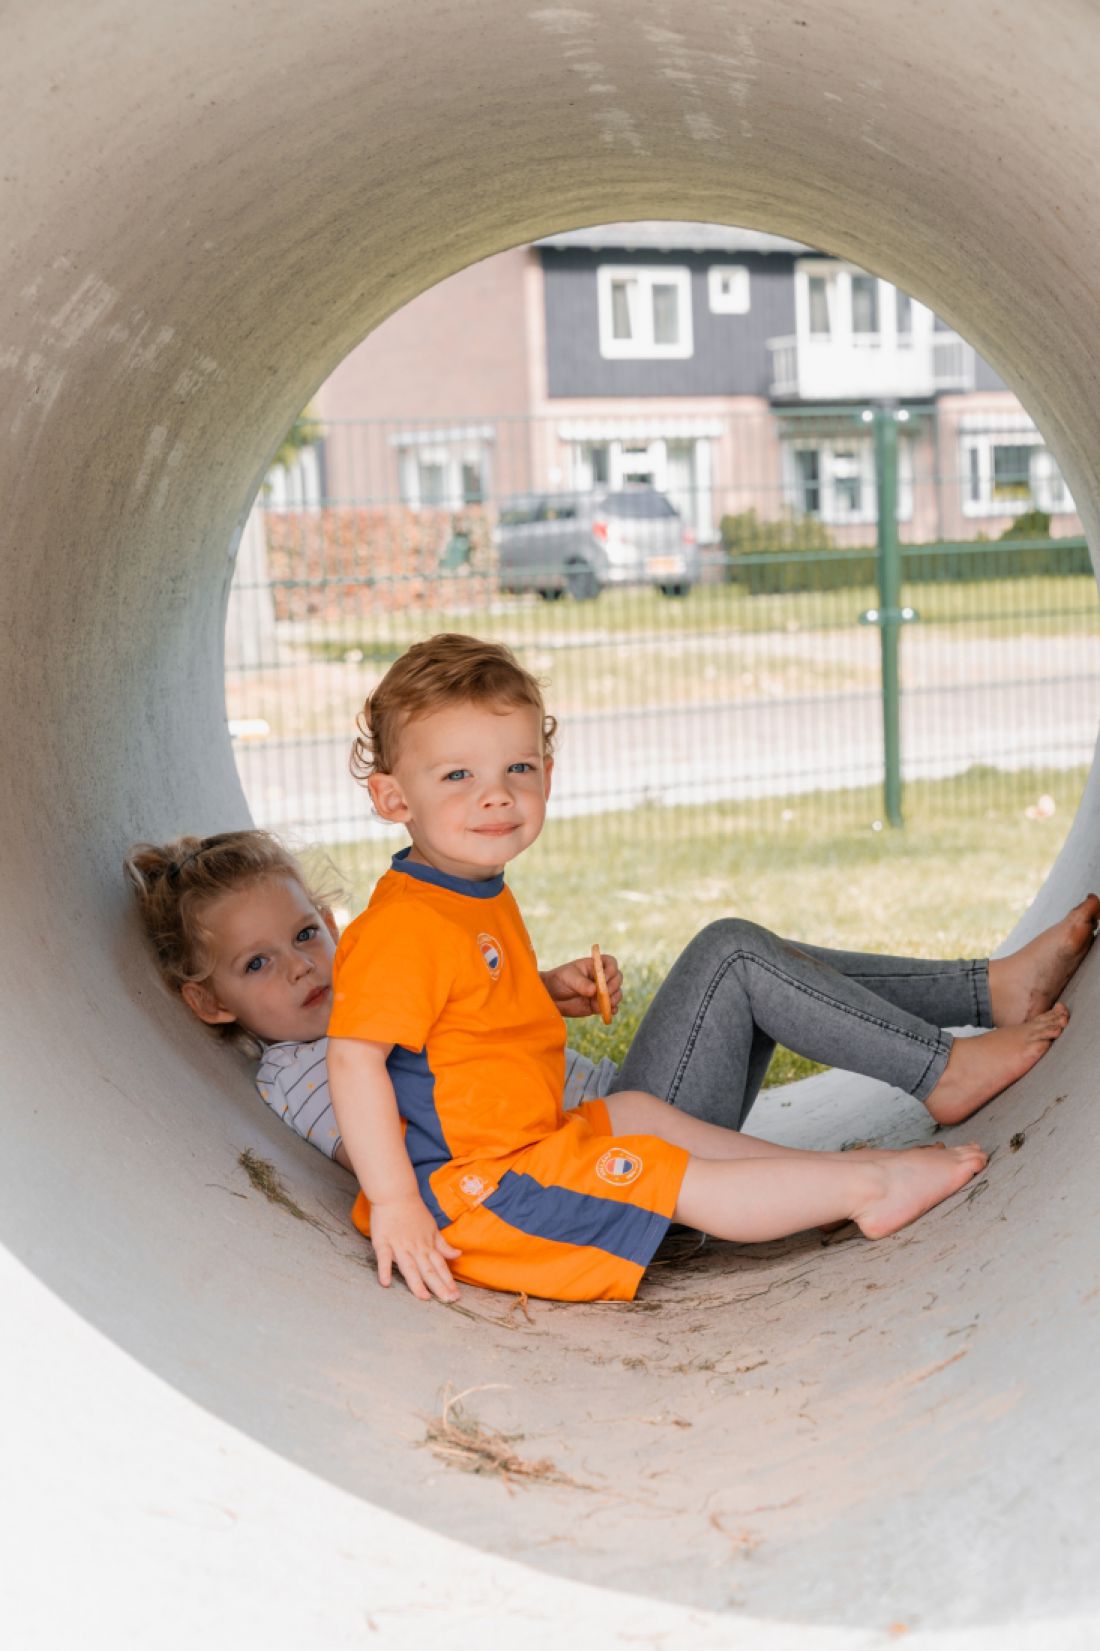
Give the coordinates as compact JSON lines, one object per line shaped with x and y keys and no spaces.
{"x":642,"y":503}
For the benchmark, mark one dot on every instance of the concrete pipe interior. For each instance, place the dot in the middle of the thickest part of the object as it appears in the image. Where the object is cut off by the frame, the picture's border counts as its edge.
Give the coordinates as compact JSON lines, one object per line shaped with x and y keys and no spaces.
{"x":216,"y":1413}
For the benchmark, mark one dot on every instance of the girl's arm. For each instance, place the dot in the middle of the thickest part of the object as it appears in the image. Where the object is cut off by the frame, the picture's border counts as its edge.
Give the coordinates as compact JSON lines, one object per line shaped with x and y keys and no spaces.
{"x":572,"y":986}
{"x":402,"y":1228}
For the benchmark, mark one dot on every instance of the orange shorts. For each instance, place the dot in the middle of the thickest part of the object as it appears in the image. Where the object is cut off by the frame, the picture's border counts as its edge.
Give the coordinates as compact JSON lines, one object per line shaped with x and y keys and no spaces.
{"x":576,"y":1216}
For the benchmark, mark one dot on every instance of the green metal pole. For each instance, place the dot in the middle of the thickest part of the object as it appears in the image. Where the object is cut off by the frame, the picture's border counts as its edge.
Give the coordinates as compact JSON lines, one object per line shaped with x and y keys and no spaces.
{"x":889,"y":592}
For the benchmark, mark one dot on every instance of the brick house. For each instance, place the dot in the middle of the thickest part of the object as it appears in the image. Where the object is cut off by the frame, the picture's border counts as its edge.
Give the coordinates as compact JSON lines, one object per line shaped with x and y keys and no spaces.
{"x":727,"y":367}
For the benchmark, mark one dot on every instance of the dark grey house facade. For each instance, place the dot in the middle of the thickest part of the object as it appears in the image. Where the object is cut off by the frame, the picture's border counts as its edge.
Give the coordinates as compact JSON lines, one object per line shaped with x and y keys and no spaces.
{"x":730,"y":351}
{"x":718,"y":364}
{"x":725,"y":367}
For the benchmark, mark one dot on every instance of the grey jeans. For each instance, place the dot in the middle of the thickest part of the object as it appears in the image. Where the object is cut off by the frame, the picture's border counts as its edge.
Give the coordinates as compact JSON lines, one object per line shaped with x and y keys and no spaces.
{"x":737,"y":990}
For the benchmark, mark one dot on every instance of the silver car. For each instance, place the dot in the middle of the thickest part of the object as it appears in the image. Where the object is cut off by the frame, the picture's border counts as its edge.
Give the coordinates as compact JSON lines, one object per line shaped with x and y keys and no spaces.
{"x":580,"y":542}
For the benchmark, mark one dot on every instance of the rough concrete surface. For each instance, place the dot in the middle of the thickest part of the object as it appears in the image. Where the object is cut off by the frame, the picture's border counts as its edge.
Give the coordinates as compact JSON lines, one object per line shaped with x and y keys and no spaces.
{"x":216,"y":1422}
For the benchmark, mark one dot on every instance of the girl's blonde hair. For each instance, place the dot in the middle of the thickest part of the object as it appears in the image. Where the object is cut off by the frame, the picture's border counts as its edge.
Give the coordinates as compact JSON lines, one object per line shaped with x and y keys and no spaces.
{"x":175,"y":882}
{"x":447,"y":669}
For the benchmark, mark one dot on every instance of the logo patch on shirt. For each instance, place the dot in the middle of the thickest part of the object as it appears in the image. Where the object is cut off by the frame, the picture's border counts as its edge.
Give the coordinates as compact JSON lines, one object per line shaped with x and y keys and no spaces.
{"x":619,"y":1168}
{"x":490,"y":950}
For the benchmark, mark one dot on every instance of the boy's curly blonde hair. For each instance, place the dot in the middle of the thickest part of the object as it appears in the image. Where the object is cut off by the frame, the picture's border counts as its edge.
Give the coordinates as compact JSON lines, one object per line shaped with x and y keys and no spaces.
{"x":448,"y":669}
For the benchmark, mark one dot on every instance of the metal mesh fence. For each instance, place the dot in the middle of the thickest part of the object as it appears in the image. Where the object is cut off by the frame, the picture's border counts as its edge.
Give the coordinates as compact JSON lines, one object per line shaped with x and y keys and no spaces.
{"x":691,"y":592}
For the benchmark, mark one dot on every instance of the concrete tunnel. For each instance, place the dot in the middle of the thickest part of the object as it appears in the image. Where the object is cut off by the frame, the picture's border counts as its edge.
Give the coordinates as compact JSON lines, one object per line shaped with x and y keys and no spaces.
{"x":215,"y":1420}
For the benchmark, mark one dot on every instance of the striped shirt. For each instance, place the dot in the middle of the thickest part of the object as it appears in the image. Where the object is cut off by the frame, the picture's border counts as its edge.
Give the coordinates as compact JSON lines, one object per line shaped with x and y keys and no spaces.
{"x":293,"y":1079}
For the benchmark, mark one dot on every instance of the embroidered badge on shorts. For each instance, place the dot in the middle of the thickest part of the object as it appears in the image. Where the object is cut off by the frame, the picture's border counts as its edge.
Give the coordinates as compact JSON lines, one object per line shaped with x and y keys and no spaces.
{"x":619,"y":1168}
{"x":490,"y":950}
{"x":475,"y":1189}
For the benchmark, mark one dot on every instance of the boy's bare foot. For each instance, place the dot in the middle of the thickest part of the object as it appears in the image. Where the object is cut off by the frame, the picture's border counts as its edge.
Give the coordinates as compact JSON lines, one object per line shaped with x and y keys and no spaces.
{"x":915,"y":1181}
{"x":979,"y":1068}
{"x":874,"y":1155}
{"x":1023,"y":985}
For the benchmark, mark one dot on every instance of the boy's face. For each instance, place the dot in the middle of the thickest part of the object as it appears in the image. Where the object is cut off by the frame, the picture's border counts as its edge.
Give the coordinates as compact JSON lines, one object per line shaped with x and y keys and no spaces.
{"x":273,"y":968}
{"x":470,"y":784}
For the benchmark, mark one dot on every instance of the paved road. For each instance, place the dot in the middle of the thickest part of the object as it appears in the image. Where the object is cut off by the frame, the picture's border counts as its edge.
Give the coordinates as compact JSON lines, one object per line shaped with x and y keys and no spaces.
{"x":718,"y":752}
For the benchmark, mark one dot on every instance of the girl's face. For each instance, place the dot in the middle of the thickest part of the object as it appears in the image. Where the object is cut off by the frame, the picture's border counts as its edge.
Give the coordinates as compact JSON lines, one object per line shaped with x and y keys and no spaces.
{"x":273,"y":969}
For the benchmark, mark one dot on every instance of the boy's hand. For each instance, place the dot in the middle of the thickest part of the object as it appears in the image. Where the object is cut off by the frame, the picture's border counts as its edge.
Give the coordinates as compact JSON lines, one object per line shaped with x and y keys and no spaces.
{"x":403,"y":1230}
{"x":573,"y":986}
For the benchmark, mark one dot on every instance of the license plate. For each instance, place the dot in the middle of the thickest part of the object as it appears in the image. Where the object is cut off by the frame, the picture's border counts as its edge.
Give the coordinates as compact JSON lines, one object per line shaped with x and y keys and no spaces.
{"x":663,"y":564}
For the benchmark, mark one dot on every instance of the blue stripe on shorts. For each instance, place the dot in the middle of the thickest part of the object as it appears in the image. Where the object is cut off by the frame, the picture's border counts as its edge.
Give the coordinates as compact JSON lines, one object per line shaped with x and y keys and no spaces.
{"x":622,"y":1230}
{"x":424,"y":1173}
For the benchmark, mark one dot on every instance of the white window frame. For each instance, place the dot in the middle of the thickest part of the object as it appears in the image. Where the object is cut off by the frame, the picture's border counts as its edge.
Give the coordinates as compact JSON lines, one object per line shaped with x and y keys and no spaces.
{"x":450,"y":455}
{"x":1047,"y":486}
{"x":838,"y":299}
{"x":804,"y":309}
{"x":831,"y":469}
{"x":642,"y":346}
{"x":738,"y":300}
{"x":297,"y":485}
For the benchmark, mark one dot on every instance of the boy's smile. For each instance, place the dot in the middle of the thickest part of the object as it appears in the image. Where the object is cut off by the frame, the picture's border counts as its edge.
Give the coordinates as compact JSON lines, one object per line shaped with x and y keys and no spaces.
{"x":470,"y":785}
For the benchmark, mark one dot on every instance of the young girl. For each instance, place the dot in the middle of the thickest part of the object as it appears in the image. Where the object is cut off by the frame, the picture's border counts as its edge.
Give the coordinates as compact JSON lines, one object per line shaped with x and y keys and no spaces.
{"x":249,"y":946}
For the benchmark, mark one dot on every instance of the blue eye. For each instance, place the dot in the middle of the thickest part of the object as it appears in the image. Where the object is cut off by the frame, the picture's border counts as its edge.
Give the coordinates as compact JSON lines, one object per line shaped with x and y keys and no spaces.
{"x":522,"y":768}
{"x":254,"y":965}
{"x":310,"y":932}
{"x":457,"y":774}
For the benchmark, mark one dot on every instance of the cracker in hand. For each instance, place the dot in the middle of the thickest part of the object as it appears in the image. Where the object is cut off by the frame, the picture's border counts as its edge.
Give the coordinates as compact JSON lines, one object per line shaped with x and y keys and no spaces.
{"x":603,"y":996}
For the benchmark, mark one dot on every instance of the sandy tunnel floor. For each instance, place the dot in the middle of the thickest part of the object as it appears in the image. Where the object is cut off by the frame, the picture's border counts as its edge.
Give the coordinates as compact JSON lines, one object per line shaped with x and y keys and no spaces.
{"x":207,"y":208}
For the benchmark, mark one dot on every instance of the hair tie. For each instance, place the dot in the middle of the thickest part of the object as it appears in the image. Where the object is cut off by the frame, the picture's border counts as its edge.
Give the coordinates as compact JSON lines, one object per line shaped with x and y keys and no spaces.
{"x":177,"y":865}
{"x":207,"y":842}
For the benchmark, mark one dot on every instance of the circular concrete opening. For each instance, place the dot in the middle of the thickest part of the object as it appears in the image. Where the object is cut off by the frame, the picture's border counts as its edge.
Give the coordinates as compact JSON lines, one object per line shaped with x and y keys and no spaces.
{"x":208,"y":209}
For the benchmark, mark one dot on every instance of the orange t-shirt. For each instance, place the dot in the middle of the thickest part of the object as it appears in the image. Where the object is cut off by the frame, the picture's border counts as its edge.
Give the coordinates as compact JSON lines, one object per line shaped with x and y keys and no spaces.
{"x":444,"y":969}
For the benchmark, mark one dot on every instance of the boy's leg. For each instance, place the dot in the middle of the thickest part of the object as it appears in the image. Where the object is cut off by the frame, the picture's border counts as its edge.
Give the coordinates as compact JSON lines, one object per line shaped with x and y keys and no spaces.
{"x":764,"y":1198}
{"x":632,"y":1113}
{"x":737,"y":989}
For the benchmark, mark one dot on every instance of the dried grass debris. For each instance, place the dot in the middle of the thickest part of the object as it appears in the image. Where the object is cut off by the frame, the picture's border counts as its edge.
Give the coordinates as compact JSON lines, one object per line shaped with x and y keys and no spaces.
{"x":264,"y":1178}
{"x":461,"y":1441}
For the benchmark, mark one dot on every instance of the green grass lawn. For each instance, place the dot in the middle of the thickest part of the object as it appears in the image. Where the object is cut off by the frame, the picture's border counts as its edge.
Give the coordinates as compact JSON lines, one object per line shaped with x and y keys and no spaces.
{"x":635,"y":649}
{"x":1000,"y":607}
{"x":950,"y":884}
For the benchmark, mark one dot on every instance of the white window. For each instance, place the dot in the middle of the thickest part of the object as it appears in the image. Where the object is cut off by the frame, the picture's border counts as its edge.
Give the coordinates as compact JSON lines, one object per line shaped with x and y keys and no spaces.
{"x":837,"y":303}
{"x":644,"y":313}
{"x":295,"y":486}
{"x":1049,"y":484}
{"x":820,"y":291}
{"x":591,"y":465}
{"x":728,"y":289}
{"x":833,"y":478}
{"x":864,"y":299}
{"x":1009,"y":470}
{"x":439,"y":471}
